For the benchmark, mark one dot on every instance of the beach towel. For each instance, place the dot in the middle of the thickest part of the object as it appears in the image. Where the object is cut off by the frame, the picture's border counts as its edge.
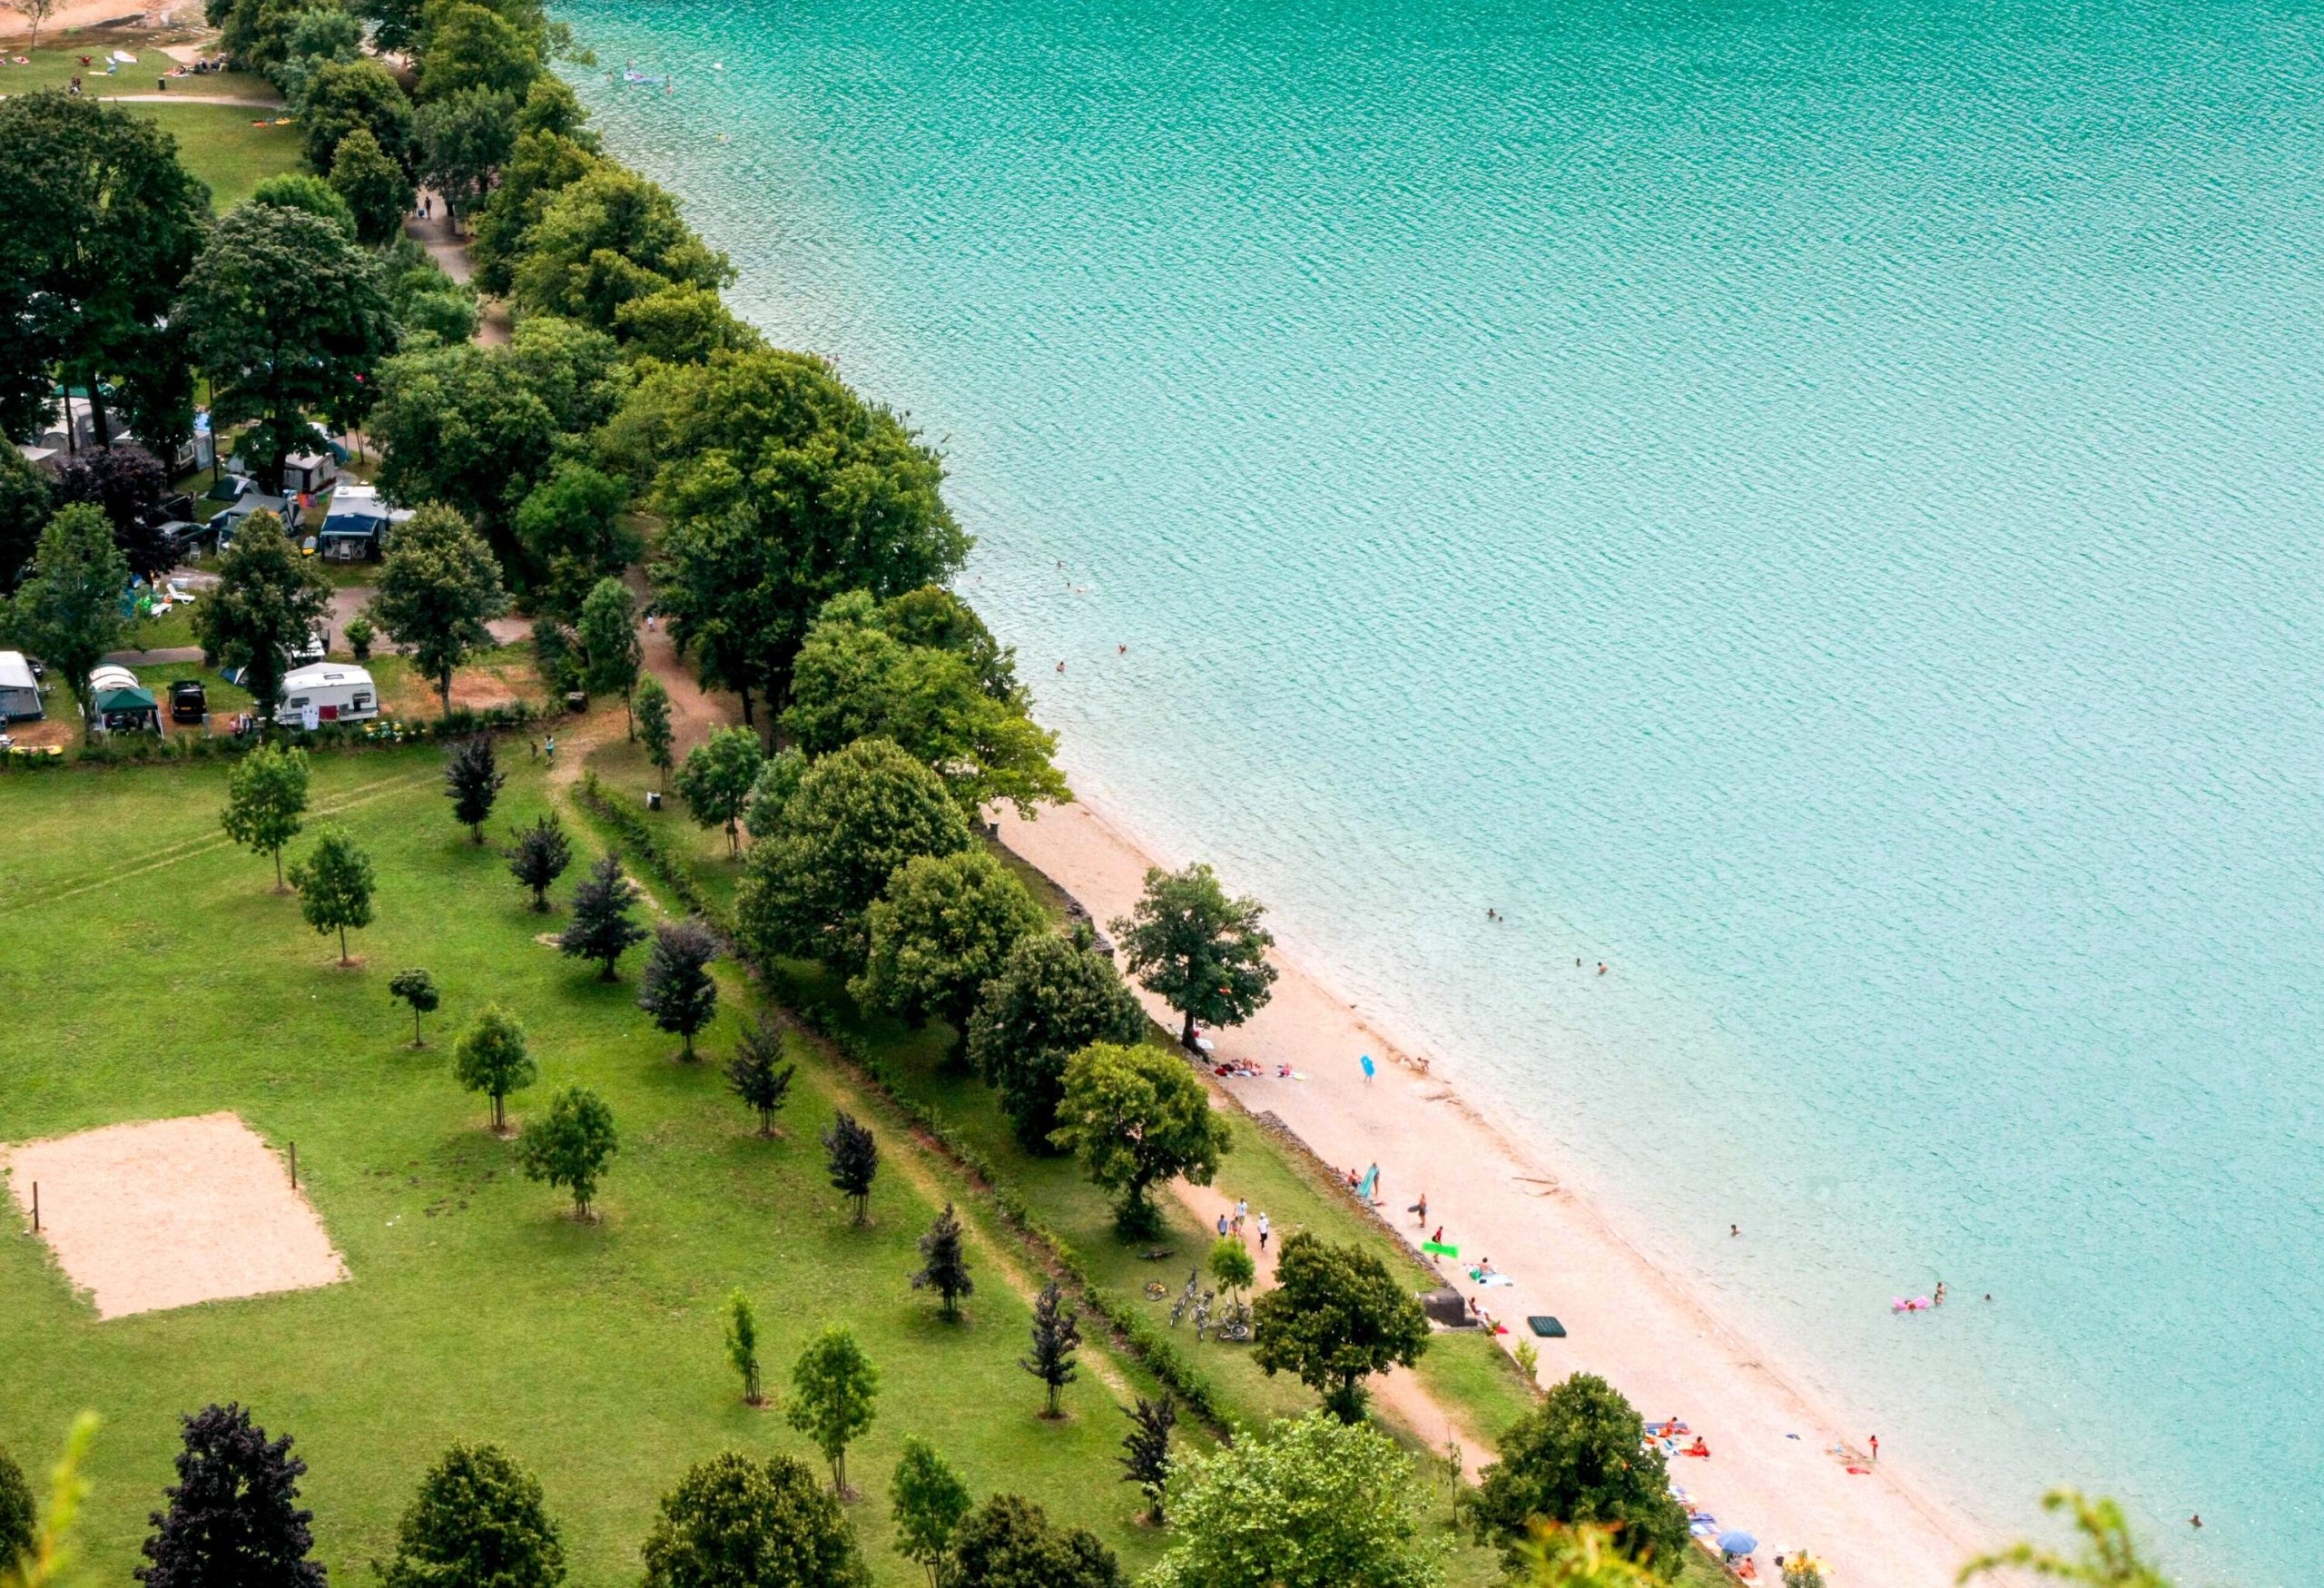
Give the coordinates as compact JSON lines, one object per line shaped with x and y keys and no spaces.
{"x":1492,"y":1278}
{"x":1548,"y":1328}
{"x":124,"y":56}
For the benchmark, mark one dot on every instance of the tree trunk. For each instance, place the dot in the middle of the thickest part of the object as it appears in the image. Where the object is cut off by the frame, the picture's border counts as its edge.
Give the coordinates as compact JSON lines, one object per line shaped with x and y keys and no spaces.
{"x":499,"y":1119}
{"x":98,"y":423}
{"x":1186,"y":1034}
{"x":444,"y":688}
{"x":415,"y":1025}
{"x":343,"y":945}
{"x":607,"y":973}
{"x":278,"y":871}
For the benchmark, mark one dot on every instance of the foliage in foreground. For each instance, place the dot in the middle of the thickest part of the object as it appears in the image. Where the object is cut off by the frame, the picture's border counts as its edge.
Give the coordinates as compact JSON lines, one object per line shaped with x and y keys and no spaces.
{"x":1335,"y":1317}
{"x":732,"y":1520}
{"x":478,"y":1518}
{"x":1576,"y":1458}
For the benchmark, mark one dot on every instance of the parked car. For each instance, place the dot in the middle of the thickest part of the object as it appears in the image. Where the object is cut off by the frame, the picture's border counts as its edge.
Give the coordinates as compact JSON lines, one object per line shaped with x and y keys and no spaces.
{"x":307,"y":547}
{"x":189,"y":702}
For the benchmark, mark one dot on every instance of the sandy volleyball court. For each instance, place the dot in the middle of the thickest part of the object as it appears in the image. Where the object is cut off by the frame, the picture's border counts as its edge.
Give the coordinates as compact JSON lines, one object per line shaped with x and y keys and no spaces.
{"x":171,"y":1212}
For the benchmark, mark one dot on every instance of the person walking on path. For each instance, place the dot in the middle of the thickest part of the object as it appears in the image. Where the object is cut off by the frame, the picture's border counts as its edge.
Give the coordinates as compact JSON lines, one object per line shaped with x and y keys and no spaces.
{"x":1263,"y":1231}
{"x":1221,"y":1227}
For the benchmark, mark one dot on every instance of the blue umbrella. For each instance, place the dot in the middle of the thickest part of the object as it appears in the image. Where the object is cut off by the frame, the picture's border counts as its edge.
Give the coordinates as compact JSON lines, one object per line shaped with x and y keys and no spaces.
{"x":1737,"y":1544}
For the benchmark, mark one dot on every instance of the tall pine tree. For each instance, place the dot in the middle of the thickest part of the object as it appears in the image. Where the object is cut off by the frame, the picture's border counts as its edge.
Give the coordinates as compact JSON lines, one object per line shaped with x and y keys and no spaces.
{"x":473,"y":778}
{"x":853,"y":1158}
{"x":677,"y":989}
{"x":945,"y":1263}
{"x":1057,"y":1335}
{"x":757,"y":1075}
{"x":538,"y":857}
{"x":1145,"y":1449}
{"x":601,"y":929}
{"x":233,"y":1520}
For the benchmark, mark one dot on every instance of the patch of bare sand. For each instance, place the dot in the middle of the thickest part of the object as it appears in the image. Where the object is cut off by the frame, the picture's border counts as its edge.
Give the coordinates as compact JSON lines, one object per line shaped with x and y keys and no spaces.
{"x":171,"y":1212}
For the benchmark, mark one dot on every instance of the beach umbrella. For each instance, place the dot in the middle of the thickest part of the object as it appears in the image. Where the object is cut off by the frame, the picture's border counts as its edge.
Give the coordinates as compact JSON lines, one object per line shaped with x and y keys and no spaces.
{"x":1737,"y":1544}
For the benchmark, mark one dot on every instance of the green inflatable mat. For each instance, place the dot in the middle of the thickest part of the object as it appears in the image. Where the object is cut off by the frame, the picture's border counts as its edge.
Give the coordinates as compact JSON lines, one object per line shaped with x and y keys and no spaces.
{"x":1548,"y":1328}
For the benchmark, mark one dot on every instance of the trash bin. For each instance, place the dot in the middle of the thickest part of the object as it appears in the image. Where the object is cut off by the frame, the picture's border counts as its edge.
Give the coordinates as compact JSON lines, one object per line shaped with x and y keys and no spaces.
{"x":653,"y":799}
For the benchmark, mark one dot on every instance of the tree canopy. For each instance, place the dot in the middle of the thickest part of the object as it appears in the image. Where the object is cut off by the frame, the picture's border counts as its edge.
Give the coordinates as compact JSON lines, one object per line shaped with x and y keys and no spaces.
{"x":1054,"y":996}
{"x":477,"y":1519}
{"x":677,"y":989}
{"x":570,"y":1144}
{"x":493,"y":1058}
{"x":1307,"y":1503}
{"x":833,"y":1386}
{"x":601,"y":928}
{"x":941,"y":928}
{"x":284,"y":314}
{"x":606,"y":237}
{"x":857,"y":815}
{"x":266,"y":607}
{"x":928,"y":1502}
{"x":125,"y":482}
{"x":68,"y":612}
{"x":438,"y":587}
{"x":782,"y":489}
{"x":1579,"y":1457}
{"x":1204,"y":952}
{"x":1335,"y":1317}
{"x":1008,"y":1542}
{"x":335,"y":886}
{"x":233,"y":1514}
{"x":373,"y":187}
{"x":716,"y":780}
{"x":343,"y":97}
{"x":855,"y":678}
{"x":103,"y":225}
{"x":1136,"y":1116}
{"x":733,"y":1522}
{"x":266,"y":800}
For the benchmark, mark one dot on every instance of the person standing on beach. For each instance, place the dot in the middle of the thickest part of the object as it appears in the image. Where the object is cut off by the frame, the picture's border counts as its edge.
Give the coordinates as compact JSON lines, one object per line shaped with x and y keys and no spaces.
{"x":1419,"y":1209}
{"x":1221,"y":1227}
{"x":1875,"y":1447}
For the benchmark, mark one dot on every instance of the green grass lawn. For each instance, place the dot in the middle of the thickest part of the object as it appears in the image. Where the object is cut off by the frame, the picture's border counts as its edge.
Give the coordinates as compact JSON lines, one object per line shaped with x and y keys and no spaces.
{"x":58,"y":61}
{"x":217,"y":144}
{"x":475,"y":1307}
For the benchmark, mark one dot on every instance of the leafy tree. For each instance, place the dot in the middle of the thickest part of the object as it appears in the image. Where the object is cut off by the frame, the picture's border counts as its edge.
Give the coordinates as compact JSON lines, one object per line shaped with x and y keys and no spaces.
{"x":677,"y":989}
{"x":1054,"y":996}
{"x":944,"y":1263}
{"x":601,"y":929}
{"x":833,"y":1386}
{"x":471,"y":47}
{"x":359,"y":633}
{"x":731,"y":1523}
{"x":781,"y":489}
{"x":2111,"y":1557}
{"x":102,"y":224}
{"x":459,"y":425}
{"x":606,"y":237}
{"x":929,"y":1500}
{"x":438,"y":587}
{"x":570,"y":1144}
{"x":68,"y":611}
{"x":334,"y":886}
{"x":1010,"y":1543}
{"x":126,"y":482}
{"x":477,"y":1519}
{"x":1136,"y":1116}
{"x":464,"y":139}
{"x":1230,"y":1264}
{"x":853,"y":680}
{"x":757,"y":1075}
{"x":300,"y":189}
{"x":654,"y":729}
{"x":360,"y":95}
{"x":935,"y":616}
{"x":1057,"y":1335}
{"x":942,"y":930}
{"x":266,"y":607}
{"x":857,"y":814}
{"x":851,"y":1156}
{"x":473,"y":779}
{"x":1335,"y":1316}
{"x":1205,"y":953}
{"x":35,"y":12}
{"x":1310,"y":1502}
{"x":681,"y":323}
{"x":551,"y":106}
{"x":716,"y":780}
{"x":316,"y":36}
{"x":542,"y":164}
{"x":1585,"y":1557}
{"x":25,"y":503}
{"x":743,"y":1345}
{"x":372,"y":185}
{"x":777,"y":781}
{"x":1145,"y":1450}
{"x":416,"y":988}
{"x":1576,"y":1458}
{"x":493,"y":1059}
{"x":266,"y":796}
{"x":19,"y":1516}
{"x":570,"y":525}
{"x":609,"y":640}
{"x":234,"y":1519}
{"x":538,"y":857}
{"x":285,"y":316}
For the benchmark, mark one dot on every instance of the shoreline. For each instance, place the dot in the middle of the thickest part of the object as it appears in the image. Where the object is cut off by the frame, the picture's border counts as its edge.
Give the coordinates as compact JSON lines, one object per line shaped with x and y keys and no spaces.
{"x":1629,"y":1319}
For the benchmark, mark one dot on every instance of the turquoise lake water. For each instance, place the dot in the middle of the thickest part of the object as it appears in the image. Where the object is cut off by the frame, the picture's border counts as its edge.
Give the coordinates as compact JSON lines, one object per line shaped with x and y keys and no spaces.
{"x":1817,"y":506}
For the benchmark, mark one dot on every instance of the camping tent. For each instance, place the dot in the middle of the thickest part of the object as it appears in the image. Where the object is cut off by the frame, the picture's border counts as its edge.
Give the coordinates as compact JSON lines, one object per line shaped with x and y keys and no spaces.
{"x":19,"y":690}
{"x":118,"y":704}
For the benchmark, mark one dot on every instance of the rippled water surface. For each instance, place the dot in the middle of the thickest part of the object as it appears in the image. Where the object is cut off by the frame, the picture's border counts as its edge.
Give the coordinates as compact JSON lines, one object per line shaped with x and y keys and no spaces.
{"x":1814,"y":505}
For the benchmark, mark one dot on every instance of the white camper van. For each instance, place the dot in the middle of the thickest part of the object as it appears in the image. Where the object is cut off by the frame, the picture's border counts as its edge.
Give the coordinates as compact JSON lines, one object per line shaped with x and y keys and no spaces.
{"x":329,"y":692}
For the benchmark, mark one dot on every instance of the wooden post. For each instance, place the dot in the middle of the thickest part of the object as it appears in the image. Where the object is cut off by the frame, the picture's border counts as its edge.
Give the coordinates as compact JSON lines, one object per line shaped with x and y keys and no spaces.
{"x":294,"y":1166}
{"x":35,"y":1206}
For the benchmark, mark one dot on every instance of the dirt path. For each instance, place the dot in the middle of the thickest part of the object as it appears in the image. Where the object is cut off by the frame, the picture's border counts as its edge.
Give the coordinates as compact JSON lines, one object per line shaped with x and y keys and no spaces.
{"x":695,"y":713}
{"x":450,"y":252}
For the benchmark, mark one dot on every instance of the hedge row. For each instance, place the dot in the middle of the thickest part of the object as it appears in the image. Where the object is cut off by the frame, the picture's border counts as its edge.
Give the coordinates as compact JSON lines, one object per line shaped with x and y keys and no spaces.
{"x":145,"y":750}
{"x":628,"y":825}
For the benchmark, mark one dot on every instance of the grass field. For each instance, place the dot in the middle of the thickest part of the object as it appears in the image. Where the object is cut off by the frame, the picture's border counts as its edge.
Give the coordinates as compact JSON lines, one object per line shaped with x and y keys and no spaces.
{"x":217,"y":144}
{"x":58,"y":61}
{"x":150,"y":973}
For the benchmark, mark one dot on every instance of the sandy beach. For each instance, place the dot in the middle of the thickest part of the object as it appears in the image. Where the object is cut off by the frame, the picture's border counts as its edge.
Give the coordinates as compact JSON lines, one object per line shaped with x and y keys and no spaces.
{"x":1627,"y":1319}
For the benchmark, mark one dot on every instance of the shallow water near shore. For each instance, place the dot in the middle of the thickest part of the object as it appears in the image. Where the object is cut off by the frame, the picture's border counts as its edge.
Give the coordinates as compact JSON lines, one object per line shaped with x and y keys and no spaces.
{"x":1815,"y":506}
